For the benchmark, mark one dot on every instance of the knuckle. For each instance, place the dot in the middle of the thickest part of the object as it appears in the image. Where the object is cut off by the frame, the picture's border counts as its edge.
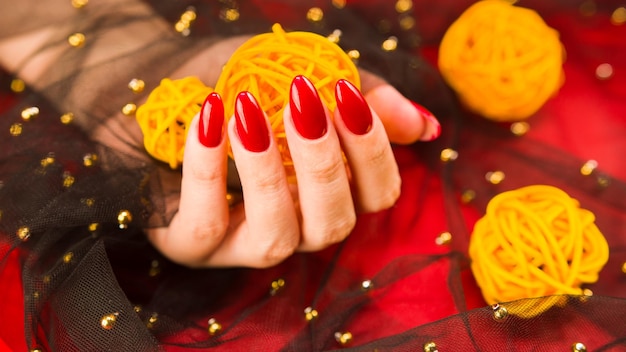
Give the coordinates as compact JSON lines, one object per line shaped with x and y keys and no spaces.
{"x":326,"y":170}
{"x":268,"y":183}
{"x":378,"y":155}
{"x":388,"y":196}
{"x":202,"y":173}
{"x":275,"y":253}
{"x":332,"y":233}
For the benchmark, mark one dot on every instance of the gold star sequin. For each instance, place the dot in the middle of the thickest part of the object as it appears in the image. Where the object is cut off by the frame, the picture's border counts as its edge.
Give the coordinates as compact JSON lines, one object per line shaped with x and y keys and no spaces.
{"x":276,"y":286}
{"x":124,"y":217}
{"x":16,"y":129}
{"x":579,"y":347}
{"x":495,"y":177}
{"x":76,"y":40}
{"x":129,"y":109}
{"x":17,"y":85}
{"x":430,"y":347}
{"x":448,"y":154}
{"x":343,"y":338}
{"x":310,"y":313}
{"x":588,"y":167}
{"x":444,"y":238}
{"x":618,"y":17}
{"x":108,"y":321}
{"x":213,"y":326}
{"x":315,"y":14}
{"x":499,"y":312}
{"x":520,"y":128}
{"x":23,"y":233}
{"x":79,"y":4}
{"x":390,"y":44}
{"x":67,"y":118}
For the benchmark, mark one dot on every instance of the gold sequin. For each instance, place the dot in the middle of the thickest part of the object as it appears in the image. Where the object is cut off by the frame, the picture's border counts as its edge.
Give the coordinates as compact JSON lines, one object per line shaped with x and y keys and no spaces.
{"x":588,"y":8}
{"x":68,"y":180}
{"x":90,"y":159}
{"x":310,"y":313}
{"x":129,"y":109}
{"x":604,"y":71}
{"x":155,"y":268}
{"x":182,"y":26}
{"x":366,"y":285}
{"x":23,"y":233}
{"x":603,"y":181}
{"x":136,"y":85}
{"x":152,"y":320}
{"x":404,"y":5}
{"x":124,"y":217}
{"x":579,"y":347}
{"x":276,"y":286}
{"x":499,"y":312}
{"x":443,"y":239}
{"x":229,"y":15}
{"x":36,"y":350}
{"x":67,"y":118}
{"x":618,"y":17}
{"x":340,"y":4}
{"x":390,"y":44}
{"x":315,"y":14}
{"x":88,"y":201}
{"x":520,"y":128}
{"x":354,"y":54}
{"x":343,"y":338}
{"x":76,"y":40}
{"x":67,"y":258}
{"x":430,"y":347}
{"x":79,"y":4}
{"x":335,"y":36}
{"x":108,"y":321}
{"x":589,"y":167}
{"x":93,"y":227}
{"x":46,"y":279}
{"x":495,"y":177}
{"x":467,"y":196}
{"x":47,"y":161}
{"x":448,"y":154}
{"x":15,"y":129}
{"x":213,"y":326}
{"x":137,"y":309}
{"x":406,"y":22}
{"x":17,"y":85}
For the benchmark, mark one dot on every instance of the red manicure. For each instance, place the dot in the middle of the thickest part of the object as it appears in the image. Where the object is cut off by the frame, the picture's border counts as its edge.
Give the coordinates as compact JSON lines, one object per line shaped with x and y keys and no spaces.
{"x":433,"y":128}
{"x":211,"y":121}
{"x":307,"y":109}
{"x":354,"y":109}
{"x":250,"y":123}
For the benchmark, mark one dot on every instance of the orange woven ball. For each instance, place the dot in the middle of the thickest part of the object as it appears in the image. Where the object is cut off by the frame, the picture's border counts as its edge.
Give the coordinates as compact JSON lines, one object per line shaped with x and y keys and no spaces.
{"x":532,"y":242}
{"x":503,"y":61}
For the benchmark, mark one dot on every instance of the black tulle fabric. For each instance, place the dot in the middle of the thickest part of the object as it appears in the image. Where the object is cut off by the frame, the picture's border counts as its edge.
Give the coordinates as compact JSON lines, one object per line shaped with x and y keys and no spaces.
{"x":162,"y":306}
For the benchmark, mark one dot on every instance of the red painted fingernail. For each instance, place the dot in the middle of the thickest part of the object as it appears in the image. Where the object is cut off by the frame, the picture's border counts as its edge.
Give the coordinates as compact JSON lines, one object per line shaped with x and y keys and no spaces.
{"x":354,"y":109}
{"x":250,"y":123}
{"x":433,"y":128}
{"x":307,"y":110}
{"x":211,"y":121}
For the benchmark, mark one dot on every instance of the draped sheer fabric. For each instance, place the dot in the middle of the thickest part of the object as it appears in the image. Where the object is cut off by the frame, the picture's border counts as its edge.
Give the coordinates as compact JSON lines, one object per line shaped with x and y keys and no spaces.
{"x":82,"y":277}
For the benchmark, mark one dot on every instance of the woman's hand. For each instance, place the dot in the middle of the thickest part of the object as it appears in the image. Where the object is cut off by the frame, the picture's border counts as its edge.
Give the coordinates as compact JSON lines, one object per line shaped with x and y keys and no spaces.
{"x":278,"y":218}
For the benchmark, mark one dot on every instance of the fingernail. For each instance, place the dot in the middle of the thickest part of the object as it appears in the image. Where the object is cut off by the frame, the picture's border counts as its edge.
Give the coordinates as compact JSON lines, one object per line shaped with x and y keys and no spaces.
{"x":250,"y":123}
{"x":433,"y":128}
{"x":354,"y":110}
{"x":211,"y":121}
{"x":307,"y":110}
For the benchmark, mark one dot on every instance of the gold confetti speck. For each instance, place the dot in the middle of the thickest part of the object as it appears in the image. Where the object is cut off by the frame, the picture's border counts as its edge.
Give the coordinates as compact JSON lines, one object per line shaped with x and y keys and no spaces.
{"x":90,"y":159}
{"x":403,"y":6}
{"x":520,"y":128}
{"x":390,"y":44}
{"x":448,"y":154}
{"x":15,"y":129}
{"x":495,"y":177}
{"x":589,"y":167}
{"x":618,"y":17}
{"x":136,"y":85}
{"x":129,"y":109}
{"x":23,"y":233}
{"x":124,"y":217}
{"x":79,"y":4}
{"x":315,"y":14}
{"x":340,"y":4}
{"x":579,"y":347}
{"x":310,"y":313}
{"x":354,"y":54}
{"x":430,"y":347}
{"x":108,"y":321}
{"x":17,"y":85}
{"x":67,"y":258}
{"x":76,"y":40}
{"x":67,"y":118}
{"x":213,"y":326}
{"x":443,"y":239}
{"x":343,"y":338}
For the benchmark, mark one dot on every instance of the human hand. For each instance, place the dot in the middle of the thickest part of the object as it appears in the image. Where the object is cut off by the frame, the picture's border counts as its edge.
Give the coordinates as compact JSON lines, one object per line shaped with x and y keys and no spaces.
{"x":278,"y":218}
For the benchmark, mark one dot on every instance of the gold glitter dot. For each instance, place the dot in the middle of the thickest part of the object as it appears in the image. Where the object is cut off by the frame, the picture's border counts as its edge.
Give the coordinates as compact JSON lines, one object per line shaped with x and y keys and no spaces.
{"x":155,"y":269}
{"x":88,"y":201}
{"x":315,"y":14}
{"x":354,"y":54}
{"x":520,"y":128}
{"x":604,"y":71}
{"x":340,"y":4}
{"x":129,"y":109}
{"x":390,"y":44}
{"x":430,"y":347}
{"x":618,"y":17}
{"x":468,"y":196}
{"x":36,"y":295}
{"x":17,"y":85}
{"x":588,"y":8}
{"x":79,"y":4}
{"x":188,"y":16}
{"x":137,"y":309}
{"x":366,"y":285}
{"x":93,"y":227}
{"x":448,"y":154}
{"x":47,"y":161}
{"x":124,"y":217}
{"x":29,"y":113}
{"x":152,"y":320}
{"x":68,"y":180}
{"x":276,"y":286}
{"x":499,"y":312}
{"x":229,"y":15}
{"x":588,"y":167}
{"x":335,"y":36}
{"x":46,"y":279}
{"x":67,"y":258}
{"x":213,"y":326}
{"x":90,"y":159}
{"x":108,"y":321}
{"x":136,"y":85}
{"x":443,"y":239}
{"x":495,"y":177}
{"x":76,"y":40}
{"x":343,"y":338}
{"x":579,"y":347}
{"x":181,"y":26}
{"x":23,"y":233}
{"x":404,"y":5}
{"x":407,"y":22}
{"x":310,"y":313}
{"x":603,"y":181}
{"x":36,"y":350}
{"x":67,"y":118}
{"x":15,"y":129}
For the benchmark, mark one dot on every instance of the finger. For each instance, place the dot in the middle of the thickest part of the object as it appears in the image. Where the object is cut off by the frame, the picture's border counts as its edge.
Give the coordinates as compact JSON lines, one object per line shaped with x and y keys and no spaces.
{"x":326,"y":204}
{"x":375,"y":175}
{"x":202,"y":219}
{"x":271,"y":232}
{"x":405,"y":122}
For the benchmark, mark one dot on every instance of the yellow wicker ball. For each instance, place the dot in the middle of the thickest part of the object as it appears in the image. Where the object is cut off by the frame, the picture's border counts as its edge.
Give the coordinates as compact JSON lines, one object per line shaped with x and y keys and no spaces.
{"x":165,"y":117}
{"x":266,"y":64}
{"x":503,"y":61}
{"x":532,"y":242}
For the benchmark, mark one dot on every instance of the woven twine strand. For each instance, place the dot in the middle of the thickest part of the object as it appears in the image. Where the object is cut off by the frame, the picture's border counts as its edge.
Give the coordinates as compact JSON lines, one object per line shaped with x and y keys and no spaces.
{"x":533,"y":242}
